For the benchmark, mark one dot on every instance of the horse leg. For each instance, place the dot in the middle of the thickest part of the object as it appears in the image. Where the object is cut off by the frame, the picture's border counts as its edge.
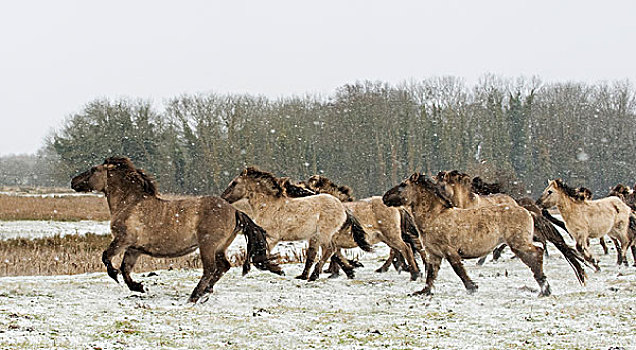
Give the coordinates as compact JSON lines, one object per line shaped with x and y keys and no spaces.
{"x":209,"y":269}
{"x":619,"y":256}
{"x":127,"y":264}
{"x":387,"y":263}
{"x":312,"y":250}
{"x":456,"y":262}
{"x":583,"y":248}
{"x":482,"y":260}
{"x":222,"y":266}
{"x":604,"y":245}
{"x":341,"y":262}
{"x":432,"y":267}
{"x":399,"y":264}
{"x":533,"y":258}
{"x":496,"y":253}
{"x":327,"y":251}
{"x":634,"y":253}
{"x":334,"y":267}
{"x":406,"y":252}
{"x":114,"y":248}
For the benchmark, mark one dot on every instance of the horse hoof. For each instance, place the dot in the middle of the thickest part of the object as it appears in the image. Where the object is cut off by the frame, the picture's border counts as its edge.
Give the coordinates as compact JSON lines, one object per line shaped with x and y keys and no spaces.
{"x":425,"y":291}
{"x":301,"y":277}
{"x":350,"y":275}
{"x":113,"y":273}
{"x":380,"y":270}
{"x":334,"y":275}
{"x":312,"y":278}
{"x":472,"y":290}
{"x":136,"y":287}
{"x":545,"y":291}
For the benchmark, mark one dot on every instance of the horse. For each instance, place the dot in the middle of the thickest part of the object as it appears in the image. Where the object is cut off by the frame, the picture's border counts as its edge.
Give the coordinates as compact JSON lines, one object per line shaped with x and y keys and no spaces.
{"x":628,"y":197}
{"x":454,"y":234}
{"x":587,"y":219}
{"x":144,"y":223}
{"x":474,"y":193}
{"x":383,"y":224}
{"x":320,"y":219}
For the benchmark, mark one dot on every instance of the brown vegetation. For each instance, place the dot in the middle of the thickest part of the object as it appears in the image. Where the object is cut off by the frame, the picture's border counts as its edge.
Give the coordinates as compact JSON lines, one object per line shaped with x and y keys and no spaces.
{"x":64,"y":208}
{"x":70,"y":255}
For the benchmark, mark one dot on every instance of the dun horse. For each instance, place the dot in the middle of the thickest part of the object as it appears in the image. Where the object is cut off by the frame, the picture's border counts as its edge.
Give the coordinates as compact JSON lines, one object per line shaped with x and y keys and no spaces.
{"x":628,"y":197}
{"x":143,"y":223}
{"x":320,"y":219}
{"x":382,"y":223}
{"x":463,"y":191}
{"x":454,"y":234}
{"x":587,"y":219}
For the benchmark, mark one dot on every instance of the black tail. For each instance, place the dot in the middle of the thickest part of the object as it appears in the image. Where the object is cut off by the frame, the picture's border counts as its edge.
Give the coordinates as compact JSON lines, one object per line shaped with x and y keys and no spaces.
{"x":257,"y":249}
{"x":631,"y":233}
{"x":542,"y":226}
{"x":546,"y":214}
{"x":359,"y":235}
{"x":410,"y":233}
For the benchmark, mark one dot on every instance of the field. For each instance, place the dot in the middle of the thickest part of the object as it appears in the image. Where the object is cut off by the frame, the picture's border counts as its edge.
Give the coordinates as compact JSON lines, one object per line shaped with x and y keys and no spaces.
{"x":263,"y":311}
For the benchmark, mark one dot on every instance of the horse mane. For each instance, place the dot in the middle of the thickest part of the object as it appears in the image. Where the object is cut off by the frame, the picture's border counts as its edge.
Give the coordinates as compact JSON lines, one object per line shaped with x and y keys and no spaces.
{"x":256,"y":174}
{"x":292,"y":190}
{"x":483,"y":188}
{"x":585,"y":192}
{"x":569,"y":191}
{"x":436,"y":188}
{"x":619,"y":189}
{"x":134,"y":175}
{"x":323,"y":184}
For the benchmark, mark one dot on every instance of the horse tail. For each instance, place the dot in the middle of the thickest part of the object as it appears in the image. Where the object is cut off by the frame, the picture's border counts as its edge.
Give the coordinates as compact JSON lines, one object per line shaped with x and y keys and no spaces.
{"x":543,"y":227}
{"x":257,"y":250}
{"x":555,"y":221}
{"x":410,"y":232}
{"x":359,"y":235}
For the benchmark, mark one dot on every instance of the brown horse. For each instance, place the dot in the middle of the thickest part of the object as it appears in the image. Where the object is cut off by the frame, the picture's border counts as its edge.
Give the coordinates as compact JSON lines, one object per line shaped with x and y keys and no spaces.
{"x":475,"y":193}
{"x":320,"y":219}
{"x":454,"y":234}
{"x":143,"y":223}
{"x":587,"y":219}
{"x":382,"y":223}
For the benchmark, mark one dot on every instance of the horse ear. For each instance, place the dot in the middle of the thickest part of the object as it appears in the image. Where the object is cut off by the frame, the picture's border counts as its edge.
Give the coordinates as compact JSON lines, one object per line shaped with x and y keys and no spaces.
{"x":414,"y":177}
{"x":244,"y":172}
{"x":109,"y":166}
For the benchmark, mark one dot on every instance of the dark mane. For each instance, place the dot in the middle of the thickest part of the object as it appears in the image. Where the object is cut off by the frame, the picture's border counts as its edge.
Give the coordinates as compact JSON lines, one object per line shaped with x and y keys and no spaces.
{"x":484,"y":188}
{"x":435,"y":188}
{"x":619,"y":190}
{"x":322,"y":184}
{"x":267,"y":177}
{"x":132,"y":174}
{"x":294,"y":191}
{"x":569,"y":191}
{"x":585,"y":192}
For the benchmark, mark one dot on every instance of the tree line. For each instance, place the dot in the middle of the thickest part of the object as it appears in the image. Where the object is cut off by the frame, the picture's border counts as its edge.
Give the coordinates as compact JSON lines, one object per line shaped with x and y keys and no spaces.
{"x":368,"y":135}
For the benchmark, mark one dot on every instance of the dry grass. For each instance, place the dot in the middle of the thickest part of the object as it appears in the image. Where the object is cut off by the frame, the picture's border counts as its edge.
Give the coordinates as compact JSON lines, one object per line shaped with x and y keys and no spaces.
{"x":71,"y":255}
{"x":67,"y":208}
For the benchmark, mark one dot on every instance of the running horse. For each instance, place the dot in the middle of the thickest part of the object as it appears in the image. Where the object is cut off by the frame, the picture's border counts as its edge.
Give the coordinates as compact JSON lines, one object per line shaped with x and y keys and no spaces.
{"x":320,"y":219}
{"x":455,"y":234}
{"x":142,"y":222}
{"x":587,"y":219}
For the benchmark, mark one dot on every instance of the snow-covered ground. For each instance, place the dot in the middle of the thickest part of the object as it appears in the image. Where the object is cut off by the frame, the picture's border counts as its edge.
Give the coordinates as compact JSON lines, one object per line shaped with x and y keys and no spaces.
{"x":265,"y":311}
{"x":46,"y":228}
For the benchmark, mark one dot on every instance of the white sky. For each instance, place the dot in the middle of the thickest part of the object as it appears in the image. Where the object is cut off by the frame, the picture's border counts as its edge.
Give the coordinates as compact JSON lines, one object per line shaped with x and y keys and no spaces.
{"x":55,"y":56}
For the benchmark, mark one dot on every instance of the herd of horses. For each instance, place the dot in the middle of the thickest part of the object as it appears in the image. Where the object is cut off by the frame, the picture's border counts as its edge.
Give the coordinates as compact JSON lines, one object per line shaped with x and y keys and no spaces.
{"x":450,"y":216}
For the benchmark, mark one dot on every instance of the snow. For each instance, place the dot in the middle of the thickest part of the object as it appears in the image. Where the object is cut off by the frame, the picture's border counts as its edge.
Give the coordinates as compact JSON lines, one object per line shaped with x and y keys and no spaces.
{"x":45,"y":228}
{"x":373,"y":310}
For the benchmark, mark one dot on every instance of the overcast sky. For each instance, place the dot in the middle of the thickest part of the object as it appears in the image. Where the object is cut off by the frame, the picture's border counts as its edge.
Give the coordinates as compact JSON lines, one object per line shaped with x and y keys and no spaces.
{"x":55,"y":56}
